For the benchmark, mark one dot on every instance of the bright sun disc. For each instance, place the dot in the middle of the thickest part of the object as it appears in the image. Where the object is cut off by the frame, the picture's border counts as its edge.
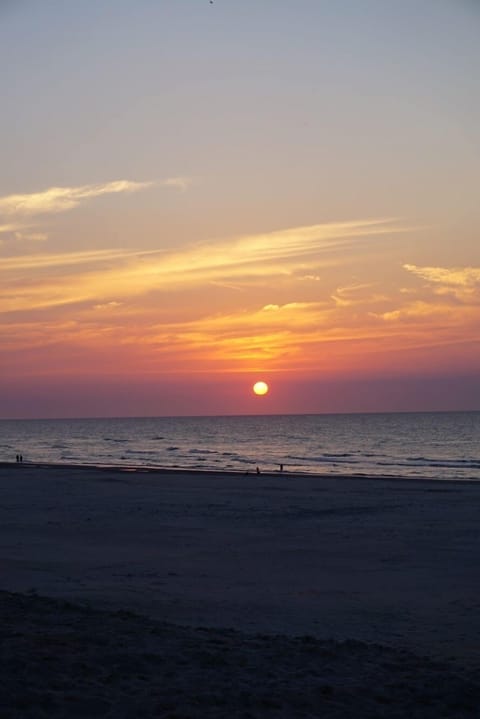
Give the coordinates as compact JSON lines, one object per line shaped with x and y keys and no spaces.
{"x":260,"y":388}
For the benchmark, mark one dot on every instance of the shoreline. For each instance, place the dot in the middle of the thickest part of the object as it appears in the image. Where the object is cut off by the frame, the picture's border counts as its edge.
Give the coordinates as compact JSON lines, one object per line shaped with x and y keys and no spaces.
{"x":176,"y":470}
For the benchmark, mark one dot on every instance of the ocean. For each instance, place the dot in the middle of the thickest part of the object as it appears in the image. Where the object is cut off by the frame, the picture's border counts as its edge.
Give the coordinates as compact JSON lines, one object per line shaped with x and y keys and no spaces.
{"x":442,"y":445}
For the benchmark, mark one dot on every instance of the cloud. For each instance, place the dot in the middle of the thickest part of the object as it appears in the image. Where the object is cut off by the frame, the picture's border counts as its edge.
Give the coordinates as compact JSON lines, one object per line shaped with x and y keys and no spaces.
{"x":273,"y":332}
{"x":61,"y":199}
{"x":415,"y":310}
{"x":181,"y":183}
{"x":461,"y":284}
{"x":449,"y":298}
{"x":290,"y":336}
{"x":468,"y":277}
{"x":279,"y":251}
{"x":154,"y":309}
{"x":31,"y":236}
{"x":439,"y":321}
{"x":357,"y":295}
{"x":310,"y":278}
{"x":290,"y":306}
{"x":117,"y":274}
{"x":9,"y":228}
{"x":16,"y":234}
{"x":348,"y":295}
{"x":66,"y":259}
{"x":107,"y":305}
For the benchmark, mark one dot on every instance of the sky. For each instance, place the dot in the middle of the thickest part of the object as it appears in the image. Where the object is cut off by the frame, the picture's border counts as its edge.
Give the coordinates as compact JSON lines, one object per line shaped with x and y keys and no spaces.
{"x":198,"y":195}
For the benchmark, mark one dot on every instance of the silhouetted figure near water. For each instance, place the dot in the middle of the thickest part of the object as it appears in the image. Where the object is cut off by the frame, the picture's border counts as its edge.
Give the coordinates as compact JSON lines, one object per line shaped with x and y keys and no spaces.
{"x":258,"y":470}
{"x":18,"y":458}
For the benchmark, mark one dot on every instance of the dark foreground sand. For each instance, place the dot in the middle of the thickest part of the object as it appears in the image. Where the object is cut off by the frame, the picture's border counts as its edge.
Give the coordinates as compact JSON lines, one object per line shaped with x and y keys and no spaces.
{"x":61,"y":660}
{"x":317,"y":597}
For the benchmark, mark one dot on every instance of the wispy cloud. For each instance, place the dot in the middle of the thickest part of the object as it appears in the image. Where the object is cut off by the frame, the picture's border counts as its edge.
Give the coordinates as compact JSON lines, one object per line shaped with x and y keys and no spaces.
{"x":310,"y":278}
{"x":108,"y":305}
{"x":9,"y":228}
{"x":454,"y":277}
{"x":354,"y":295}
{"x":448,"y":298}
{"x":31,"y":236}
{"x":154,"y":310}
{"x":61,"y":199}
{"x":246,"y":260}
{"x":182,"y":308}
{"x":54,"y":200}
{"x":417,"y":310}
{"x":459,"y":283}
{"x":279,"y":251}
{"x":181,"y":183}
{"x":49,"y":260}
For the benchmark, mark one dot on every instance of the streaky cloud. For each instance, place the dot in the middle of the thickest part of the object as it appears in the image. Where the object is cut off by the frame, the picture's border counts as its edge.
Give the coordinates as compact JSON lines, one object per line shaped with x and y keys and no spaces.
{"x":31,"y":236}
{"x":64,"y":259}
{"x":415,"y":310}
{"x":108,"y":274}
{"x":10,"y":228}
{"x":455,"y":276}
{"x":62,"y":199}
{"x":181,"y":183}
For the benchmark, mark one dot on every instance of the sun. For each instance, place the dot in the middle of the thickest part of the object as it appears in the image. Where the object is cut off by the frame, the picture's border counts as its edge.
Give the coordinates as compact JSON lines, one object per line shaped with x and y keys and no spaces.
{"x":260,"y":388}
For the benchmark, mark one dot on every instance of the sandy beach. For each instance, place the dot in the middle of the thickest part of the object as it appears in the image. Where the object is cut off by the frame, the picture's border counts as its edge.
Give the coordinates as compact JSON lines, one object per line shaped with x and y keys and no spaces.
{"x":178,"y":594}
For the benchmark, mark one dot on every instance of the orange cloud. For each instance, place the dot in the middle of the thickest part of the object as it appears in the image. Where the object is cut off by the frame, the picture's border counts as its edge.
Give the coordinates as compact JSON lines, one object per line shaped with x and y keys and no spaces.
{"x":460,"y":282}
{"x":455,"y":277}
{"x":181,"y":311}
{"x":113,"y":274}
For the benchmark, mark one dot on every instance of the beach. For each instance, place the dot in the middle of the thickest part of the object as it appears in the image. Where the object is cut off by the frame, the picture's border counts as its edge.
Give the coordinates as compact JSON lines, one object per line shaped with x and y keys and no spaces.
{"x":188,"y":594}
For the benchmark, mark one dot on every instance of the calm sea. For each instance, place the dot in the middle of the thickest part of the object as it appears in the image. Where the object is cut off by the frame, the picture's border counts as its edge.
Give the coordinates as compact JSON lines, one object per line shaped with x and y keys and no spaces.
{"x":442,"y":445}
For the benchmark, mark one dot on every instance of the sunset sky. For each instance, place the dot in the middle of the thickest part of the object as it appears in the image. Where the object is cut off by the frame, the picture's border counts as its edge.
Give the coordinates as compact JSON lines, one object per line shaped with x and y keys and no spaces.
{"x":195,"y":196}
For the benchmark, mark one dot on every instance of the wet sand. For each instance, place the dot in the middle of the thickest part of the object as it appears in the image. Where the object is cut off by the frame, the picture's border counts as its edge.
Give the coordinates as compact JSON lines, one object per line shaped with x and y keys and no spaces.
{"x":379,"y":577}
